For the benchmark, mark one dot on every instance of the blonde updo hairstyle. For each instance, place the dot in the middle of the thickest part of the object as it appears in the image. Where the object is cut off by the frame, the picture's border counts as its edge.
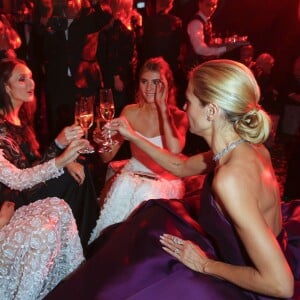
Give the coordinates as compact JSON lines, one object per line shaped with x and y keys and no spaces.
{"x":232,"y":86}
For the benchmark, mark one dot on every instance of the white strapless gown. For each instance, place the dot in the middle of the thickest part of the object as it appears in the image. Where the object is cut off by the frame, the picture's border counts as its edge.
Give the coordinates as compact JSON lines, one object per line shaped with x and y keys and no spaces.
{"x":134,"y":184}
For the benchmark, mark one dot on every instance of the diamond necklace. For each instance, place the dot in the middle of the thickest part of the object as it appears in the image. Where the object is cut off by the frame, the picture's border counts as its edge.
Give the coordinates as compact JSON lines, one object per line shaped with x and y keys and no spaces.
{"x":227,"y":149}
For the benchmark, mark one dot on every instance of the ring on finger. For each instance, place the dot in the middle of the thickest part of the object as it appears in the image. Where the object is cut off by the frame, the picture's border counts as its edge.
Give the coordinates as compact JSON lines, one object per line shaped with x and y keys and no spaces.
{"x":177,"y":240}
{"x":176,"y":251}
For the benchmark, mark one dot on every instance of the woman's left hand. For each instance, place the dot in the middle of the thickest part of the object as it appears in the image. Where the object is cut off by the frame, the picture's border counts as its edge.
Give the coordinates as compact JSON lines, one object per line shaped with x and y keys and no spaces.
{"x":185,"y":251}
{"x":76,"y":170}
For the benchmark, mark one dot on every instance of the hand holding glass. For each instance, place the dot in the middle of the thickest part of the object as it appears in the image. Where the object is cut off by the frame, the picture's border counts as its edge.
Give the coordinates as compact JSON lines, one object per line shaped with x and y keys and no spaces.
{"x":86,"y":118}
{"x":107,"y":112}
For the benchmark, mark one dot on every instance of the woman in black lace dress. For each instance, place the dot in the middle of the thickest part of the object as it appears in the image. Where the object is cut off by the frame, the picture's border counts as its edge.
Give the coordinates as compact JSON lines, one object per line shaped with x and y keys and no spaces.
{"x":19,"y":145}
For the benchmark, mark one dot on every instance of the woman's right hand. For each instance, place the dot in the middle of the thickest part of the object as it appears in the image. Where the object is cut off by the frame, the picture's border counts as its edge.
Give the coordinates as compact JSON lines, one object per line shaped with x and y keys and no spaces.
{"x":71,"y":152}
{"x":68,"y":134}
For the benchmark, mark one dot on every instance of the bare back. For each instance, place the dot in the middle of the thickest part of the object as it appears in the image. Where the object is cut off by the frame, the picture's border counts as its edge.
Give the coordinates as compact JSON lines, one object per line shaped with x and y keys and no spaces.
{"x":249,"y":173}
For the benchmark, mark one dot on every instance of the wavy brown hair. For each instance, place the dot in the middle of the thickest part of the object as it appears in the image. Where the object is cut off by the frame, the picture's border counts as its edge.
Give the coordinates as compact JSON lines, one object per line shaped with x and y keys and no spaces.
{"x":158,"y":64}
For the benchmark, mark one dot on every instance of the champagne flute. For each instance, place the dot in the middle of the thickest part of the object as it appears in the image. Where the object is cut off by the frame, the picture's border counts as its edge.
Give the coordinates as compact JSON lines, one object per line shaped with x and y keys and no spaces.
{"x":107,"y":112}
{"x":76,"y":113}
{"x":86,"y":118}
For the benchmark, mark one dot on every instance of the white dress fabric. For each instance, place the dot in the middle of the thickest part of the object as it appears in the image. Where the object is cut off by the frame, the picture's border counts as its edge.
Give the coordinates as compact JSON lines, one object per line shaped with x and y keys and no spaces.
{"x":134,"y":184}
{"x":20,"y":179}
{"x":40,"y":245}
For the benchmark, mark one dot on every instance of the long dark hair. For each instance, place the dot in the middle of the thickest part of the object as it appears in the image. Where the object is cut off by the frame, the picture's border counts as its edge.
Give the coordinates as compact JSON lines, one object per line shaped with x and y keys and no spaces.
{"x":27,"y":110}
{"x":158,"y":64}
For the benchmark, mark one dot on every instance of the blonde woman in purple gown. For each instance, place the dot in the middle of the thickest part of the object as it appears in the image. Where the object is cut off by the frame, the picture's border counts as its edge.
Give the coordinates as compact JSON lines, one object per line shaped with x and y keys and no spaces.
{"x":234,"y":239}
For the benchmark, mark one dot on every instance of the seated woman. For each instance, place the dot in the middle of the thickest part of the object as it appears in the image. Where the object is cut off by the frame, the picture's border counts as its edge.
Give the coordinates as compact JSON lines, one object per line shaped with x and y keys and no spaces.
{"x":238,"y":242}
{"x":155,"y":117}
{"x":39,"y":243}
{"x":20,"y":147}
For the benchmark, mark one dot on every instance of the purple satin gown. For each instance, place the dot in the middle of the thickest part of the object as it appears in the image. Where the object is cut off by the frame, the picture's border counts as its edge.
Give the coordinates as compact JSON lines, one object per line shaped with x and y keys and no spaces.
{"x":128,"y":262}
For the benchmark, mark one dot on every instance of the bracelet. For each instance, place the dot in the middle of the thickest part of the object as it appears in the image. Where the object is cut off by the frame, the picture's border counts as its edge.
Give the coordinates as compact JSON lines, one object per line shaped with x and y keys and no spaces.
{"x":60,"y":146}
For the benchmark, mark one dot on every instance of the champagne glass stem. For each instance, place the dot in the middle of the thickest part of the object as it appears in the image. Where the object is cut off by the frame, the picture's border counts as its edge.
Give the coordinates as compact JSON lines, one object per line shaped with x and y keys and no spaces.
{"x":109,"y":135}
{"x":109,"y":139}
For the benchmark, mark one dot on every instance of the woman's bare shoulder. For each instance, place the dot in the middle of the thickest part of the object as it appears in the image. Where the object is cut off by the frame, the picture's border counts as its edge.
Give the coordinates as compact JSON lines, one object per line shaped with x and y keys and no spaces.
{"x":241,"y":169}
{"x":130,"y":109}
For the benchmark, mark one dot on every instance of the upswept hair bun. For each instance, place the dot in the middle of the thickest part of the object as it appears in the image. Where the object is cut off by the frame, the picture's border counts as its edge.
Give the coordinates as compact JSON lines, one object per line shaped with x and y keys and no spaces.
{"x":254,"y":126}
{"x":232,"y":86}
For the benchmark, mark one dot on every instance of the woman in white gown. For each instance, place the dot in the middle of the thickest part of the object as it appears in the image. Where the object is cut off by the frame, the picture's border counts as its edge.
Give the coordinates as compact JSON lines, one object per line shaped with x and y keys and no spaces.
{"x":156,"y":117}
{"x":39,"y":243}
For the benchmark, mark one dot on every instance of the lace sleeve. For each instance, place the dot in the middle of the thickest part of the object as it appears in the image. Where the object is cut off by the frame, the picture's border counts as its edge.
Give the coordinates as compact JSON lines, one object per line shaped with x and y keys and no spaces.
{"x":20,"y":179}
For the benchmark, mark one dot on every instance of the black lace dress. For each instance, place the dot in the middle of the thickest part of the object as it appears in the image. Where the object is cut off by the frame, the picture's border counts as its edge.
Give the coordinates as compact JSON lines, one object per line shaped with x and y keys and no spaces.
{"x":19,"y":146}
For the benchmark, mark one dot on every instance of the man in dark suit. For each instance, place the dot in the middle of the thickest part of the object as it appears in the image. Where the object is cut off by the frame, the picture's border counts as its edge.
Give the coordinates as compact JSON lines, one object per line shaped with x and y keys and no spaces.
{"x":64,"y":38}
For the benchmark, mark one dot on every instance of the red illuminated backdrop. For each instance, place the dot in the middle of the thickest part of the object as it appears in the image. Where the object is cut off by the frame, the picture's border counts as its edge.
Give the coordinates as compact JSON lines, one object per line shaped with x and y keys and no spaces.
{"x":271,"y":25}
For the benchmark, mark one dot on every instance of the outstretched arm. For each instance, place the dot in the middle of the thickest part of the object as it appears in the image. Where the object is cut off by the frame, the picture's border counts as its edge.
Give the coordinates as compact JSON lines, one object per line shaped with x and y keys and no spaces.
{"x":20,"y":179}
{"x":175,"y":163}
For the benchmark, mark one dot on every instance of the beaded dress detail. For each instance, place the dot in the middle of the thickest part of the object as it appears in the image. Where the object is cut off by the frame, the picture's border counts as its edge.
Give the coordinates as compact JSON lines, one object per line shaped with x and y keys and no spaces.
{"x":134,"y":184}
{"x":39,"y":247}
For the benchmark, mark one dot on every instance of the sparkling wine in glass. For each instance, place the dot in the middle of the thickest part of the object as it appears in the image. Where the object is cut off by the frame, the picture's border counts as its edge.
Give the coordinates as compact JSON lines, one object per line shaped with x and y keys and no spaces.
{"x":107,"y":112}
{"x":76,"y":113}
{"x":86,"y":117}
